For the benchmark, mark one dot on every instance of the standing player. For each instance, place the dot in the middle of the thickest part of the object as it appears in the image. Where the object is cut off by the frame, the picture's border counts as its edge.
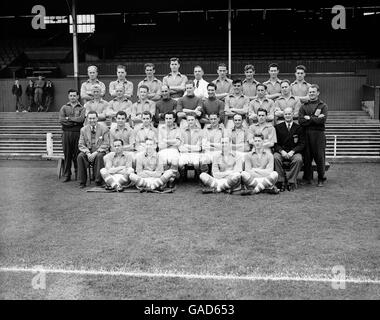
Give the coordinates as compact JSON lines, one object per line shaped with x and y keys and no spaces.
{"x":175,"y":80}
{"x":259,"y":173}
{"x":223,"y":84}
{"x":274,"y":83}
{"x":226,"y":170}
{"x":121,"y":73}
{"x":71,"y":117}
{"x":249,"y":83}
{"x":87,"y":86}
{"x":261,"y":101}
{"x":236,"y":103}
{"x":300,"y":88}
{"x":312,"y":117}
{"x":117,"y":167}
{"x":286,"y":100}
{"x":151,"y":82}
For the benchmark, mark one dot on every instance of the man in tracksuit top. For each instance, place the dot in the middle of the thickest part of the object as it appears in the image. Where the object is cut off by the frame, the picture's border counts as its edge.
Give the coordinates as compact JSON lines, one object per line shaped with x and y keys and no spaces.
{"x":312,"y":117}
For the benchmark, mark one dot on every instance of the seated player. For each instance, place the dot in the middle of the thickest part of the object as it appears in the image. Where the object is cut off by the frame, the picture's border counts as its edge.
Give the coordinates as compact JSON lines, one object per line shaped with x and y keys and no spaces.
{"x":239,"y":135}
{"x":145,"y":131}
{"x":143,"y":104}
{"x":226,"y":169}
{"x":289,"y":146}
{"x":93,"y":145}
{"x":150,"y":174}
{"x":119,"y":103}
{"x":261,"y":101}
{"x":124,"y":132}
{"x":235,"y":103}
{"x":265,"y":128}
{"x":211,"y":105}
{"x":211,"y":142}
{"x":191,"y":146}
{"x":169,"y":139}
{"x":97,"y":104}
{"x":189,"y":103}
{"x":286,"y":100}
{"x":118,"y":167}
{"x":258,"y":174}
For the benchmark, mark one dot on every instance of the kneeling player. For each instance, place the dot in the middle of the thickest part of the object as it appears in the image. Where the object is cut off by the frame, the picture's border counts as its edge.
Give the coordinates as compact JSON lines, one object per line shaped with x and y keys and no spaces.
{"x":150,"y":173}
{"x":226,"y":168}
{"x":118,"y":167}
{"x":259,"y":174}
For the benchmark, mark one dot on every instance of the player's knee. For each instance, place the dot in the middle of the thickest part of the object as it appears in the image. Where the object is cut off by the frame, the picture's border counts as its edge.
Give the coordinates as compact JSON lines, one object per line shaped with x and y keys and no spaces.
{"x":245,"y":176}
{"x":103,"y":171}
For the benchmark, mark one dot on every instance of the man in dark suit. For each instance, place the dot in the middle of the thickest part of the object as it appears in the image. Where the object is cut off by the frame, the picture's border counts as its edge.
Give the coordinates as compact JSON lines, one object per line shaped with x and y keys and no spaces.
{"x":290,"y":144}
{"x":93,"y":145}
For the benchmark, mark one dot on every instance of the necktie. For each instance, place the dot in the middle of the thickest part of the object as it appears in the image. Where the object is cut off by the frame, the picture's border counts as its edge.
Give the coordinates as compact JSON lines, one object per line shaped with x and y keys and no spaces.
{"x":288,"y":126}
{"x":93,"y":130}
{"x":197,"y":85}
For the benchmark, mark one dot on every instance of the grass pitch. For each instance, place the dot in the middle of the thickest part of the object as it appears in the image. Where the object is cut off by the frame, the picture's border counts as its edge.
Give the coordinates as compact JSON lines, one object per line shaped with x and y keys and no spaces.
{"x":301,"y":234}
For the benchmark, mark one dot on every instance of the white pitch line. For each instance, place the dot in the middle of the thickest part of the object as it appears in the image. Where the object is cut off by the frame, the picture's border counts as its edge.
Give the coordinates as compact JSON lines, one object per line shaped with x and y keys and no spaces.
{"x":255,"y":277}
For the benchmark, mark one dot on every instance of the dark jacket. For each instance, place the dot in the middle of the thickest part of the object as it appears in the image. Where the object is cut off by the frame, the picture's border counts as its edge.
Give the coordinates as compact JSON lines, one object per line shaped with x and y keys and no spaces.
{"x":310,"y":108}
{"x":17,"y":91}
{"x":29,"y":90}
{"x":289,"y":140}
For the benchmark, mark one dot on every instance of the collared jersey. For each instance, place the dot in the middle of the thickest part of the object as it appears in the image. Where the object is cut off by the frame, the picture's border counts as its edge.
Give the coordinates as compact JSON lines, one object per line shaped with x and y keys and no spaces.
{"x":264,"y":160}
{"x":100,"y":106}
{"x":249,"y":87}
{"x":175,"y":80}
{"x":142,"y":133}
{"x":116,"y":105}
{"x":188,"y":102}
{"x":239,"y":139}
{"x":273,"y":88}
{"x":300,"y":89}
{"x":212,"y":135}
{"x":76,"y":117}
{"x":238,"y":102}
{"x":282,"y":103}
{"x":192,"y":136}
{"x":87,"y":86}
{"x":125,"y":134}
{"x":213,"y":105}
{"x":267,"y":104}
{"x":163,"y":106}
{"x":154,"y":86}
{"x":149,"y":162}
{"x":112,"y":160}
{"x":229,"y":162}
{"x":223,"y":86}
{"x":267,"y":130}
{"x":128,"y":87}
{"x":164,"y":132}
{"x":140,"y":106}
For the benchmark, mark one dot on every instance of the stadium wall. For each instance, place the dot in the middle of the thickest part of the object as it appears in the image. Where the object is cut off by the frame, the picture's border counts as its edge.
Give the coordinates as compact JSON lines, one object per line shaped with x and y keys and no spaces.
{"x":339,"y":91}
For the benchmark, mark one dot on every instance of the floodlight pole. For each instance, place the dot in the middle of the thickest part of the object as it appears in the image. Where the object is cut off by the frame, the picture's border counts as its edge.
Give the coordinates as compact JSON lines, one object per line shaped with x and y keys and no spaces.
{"x":75,"y":44}
{"x":229,"y":37}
